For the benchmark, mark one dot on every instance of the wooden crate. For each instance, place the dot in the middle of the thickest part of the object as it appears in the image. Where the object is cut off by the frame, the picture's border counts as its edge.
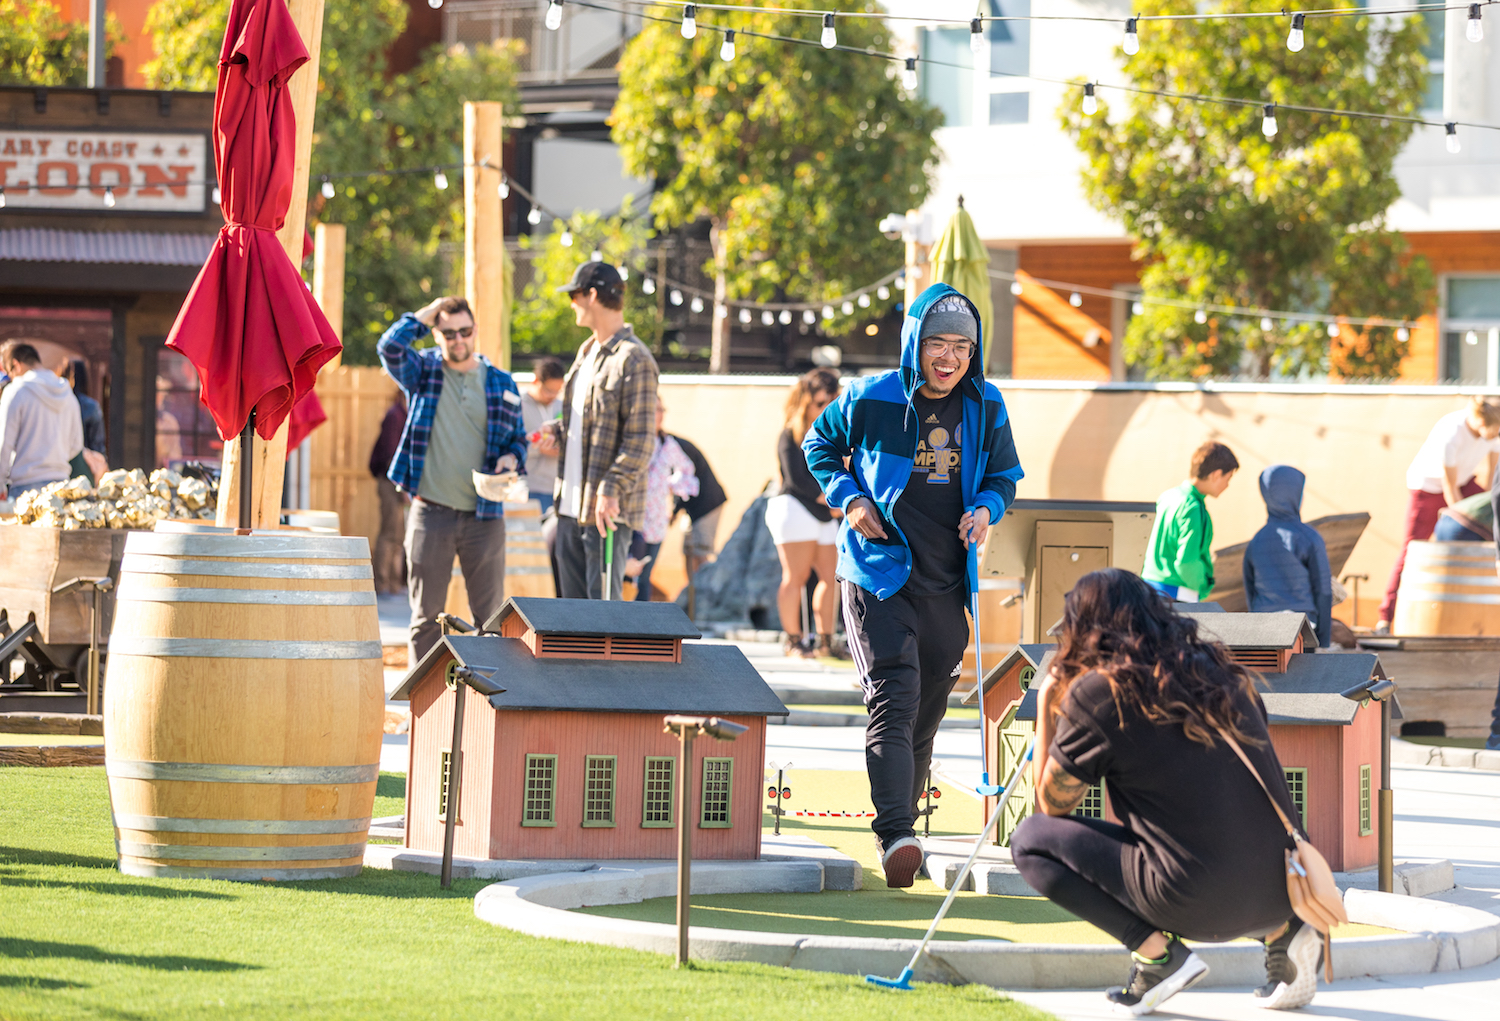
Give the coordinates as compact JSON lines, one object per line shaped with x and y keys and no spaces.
{"x":37,"y":560}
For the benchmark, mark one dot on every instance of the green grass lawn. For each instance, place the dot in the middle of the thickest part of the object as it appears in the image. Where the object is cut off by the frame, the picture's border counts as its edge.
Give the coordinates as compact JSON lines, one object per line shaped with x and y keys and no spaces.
{"x":79,"y":940}
{"x":1447,"y":742}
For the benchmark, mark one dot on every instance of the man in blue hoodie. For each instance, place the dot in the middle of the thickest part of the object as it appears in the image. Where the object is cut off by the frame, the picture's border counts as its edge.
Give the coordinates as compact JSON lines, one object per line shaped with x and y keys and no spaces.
{"x":1286,"y":564}
{"x":931,"y":464}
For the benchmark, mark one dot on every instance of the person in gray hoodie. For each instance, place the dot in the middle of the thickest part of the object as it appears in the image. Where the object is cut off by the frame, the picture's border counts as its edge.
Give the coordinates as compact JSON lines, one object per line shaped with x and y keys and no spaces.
{"x":1286,"y":564}
{"x":41,"y":429}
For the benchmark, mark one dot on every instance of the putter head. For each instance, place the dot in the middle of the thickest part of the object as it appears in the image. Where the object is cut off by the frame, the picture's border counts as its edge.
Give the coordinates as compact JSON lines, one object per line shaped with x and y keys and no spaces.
{"x":902,"y":981}
{"x":986,"y":788}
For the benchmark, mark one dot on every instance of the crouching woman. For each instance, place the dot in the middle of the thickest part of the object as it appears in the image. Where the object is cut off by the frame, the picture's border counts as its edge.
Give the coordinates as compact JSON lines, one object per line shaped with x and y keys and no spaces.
{"x":1136,"y":700}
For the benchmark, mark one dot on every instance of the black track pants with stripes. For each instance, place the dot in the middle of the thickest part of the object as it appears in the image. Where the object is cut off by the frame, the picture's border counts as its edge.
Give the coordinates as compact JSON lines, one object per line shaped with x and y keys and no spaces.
{"x":908,"y":650}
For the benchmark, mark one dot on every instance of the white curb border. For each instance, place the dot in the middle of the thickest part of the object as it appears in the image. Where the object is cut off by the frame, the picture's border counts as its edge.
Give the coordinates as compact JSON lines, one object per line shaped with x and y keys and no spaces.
{"x":1439,"y":936}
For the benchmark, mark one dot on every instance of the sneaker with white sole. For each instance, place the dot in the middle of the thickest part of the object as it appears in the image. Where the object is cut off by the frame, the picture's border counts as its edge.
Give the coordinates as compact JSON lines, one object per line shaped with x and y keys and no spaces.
{"x":901,"y":861}
{"x":1152,"y":983}
{"x":1292,"y":961}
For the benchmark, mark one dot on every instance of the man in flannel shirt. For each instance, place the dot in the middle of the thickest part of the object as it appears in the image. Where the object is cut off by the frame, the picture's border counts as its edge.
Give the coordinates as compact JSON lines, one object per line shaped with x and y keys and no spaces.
{"x":465,"y":416}
{"x":604,"y":439}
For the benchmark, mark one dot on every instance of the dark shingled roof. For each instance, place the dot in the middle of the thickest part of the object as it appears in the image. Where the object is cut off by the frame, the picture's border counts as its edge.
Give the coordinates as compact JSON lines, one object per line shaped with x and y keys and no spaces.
{"x":1032,"y":654}
{"x":1308,"y":693}
{"x":1197,"y":607}
{"x":596,"y":617}
{"x":1256,"y":630}
{"x":710,"y":680}
{"x":1027,"y":709}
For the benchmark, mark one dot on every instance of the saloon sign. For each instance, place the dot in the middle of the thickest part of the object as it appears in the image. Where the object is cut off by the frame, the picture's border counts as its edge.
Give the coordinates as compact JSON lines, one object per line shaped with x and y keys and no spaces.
{"x":141,"y":172}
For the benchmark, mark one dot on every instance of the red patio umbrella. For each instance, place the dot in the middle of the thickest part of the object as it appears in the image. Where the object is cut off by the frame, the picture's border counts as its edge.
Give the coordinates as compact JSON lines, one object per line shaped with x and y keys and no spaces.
{"x":249,"y":325}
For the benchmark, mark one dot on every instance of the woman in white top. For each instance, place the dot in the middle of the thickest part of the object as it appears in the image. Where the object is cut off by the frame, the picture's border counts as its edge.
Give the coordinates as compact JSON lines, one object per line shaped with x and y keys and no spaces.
{"x":1442,"y":473}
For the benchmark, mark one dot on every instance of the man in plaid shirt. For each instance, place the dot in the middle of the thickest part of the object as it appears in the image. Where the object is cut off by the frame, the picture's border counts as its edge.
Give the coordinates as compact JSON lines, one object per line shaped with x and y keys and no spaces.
{"x":465,"y":416}
{"x":604,"y":438}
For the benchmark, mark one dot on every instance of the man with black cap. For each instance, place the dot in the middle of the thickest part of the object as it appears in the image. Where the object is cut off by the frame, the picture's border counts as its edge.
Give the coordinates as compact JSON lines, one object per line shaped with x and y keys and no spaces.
{"x":931,"y":463}
{"x":604,"y":438}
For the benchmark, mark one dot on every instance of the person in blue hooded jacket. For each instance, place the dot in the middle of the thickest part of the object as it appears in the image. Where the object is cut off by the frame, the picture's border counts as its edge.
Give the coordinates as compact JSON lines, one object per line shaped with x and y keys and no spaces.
{"x":1286,"y":564}
{"x":931,"y":463}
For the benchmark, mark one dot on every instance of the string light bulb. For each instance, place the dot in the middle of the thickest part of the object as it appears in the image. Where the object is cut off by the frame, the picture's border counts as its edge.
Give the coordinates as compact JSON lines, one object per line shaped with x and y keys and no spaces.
{"x":1333,"y":329}
{"x":554,"y":15}
{"x":808,"y":316}
{"x":830,"y":37}
{"x":909,"y":76}
{"x":597,"y":256}
{"x":721,"y":311}
{"x":1294,"y":38}
{"x":976,"y":36}
{"x":827,"y":311}
{"x":434,"y":4}
{"x":883,"y":292}
{"x":785,"y":319}
{"x":2,"y":198}
{"x":767,"y":318}
{"x":1137,"y":308}
{"x":1268,"y":121}
{"x":1474,"y":30}
{"x":1090,"y":104}
{"x":109,"y":198}
{"x":624,"y":272}
{"x":900,"y":281}
{"x":327,"y":188}
{"x":1016,"y":288}
{"x":1200,"y":317}
{"x":1075,"y":299}
{"x":1265,"y":324}
{"x":440,"y":181}
{"x":648,"y":286}
{"x":1403,"y":334}
{"x":676,"y":296}
{"x":726,"y":52}
{"x":863,"y":301}
{"x":697,"y":304}
{"x":218,"y":195}
{"x":565,"y":238}
{"x":689,"y":21}
{"x":847,"y":308}
{"x":1454,"y":145}
{"x":745,"y":316}
{"x":504,"y":188}
{"x":534,"y":217}
{"x":1132,"y":39}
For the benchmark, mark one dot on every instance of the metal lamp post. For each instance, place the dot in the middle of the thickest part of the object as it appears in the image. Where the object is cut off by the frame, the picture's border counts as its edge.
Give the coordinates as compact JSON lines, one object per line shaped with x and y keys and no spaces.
{"x":460,"y":679}
{"x":99,"y":586}
{"x":1382,"y":690}
{"x":686,"y":728}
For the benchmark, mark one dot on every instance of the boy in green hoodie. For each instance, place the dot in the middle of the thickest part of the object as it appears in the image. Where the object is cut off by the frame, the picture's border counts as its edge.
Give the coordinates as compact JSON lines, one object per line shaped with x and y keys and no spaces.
{"x":1180,"y":560}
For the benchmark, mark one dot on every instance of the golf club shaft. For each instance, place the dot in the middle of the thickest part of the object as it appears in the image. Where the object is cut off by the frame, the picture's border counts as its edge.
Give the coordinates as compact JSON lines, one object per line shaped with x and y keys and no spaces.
{"x":984,"y":758}
{"x":963,"y":873}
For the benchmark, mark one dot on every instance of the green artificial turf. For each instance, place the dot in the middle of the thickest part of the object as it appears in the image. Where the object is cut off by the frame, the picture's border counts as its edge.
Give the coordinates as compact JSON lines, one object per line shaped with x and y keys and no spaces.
{"x":80,"y":940}
{"x":1447,"y":742}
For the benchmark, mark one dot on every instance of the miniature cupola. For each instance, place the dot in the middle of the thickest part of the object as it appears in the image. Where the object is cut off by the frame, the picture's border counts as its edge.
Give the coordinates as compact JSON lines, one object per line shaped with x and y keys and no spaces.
{"x":595,"y":629}
{"x":1258,"y":641}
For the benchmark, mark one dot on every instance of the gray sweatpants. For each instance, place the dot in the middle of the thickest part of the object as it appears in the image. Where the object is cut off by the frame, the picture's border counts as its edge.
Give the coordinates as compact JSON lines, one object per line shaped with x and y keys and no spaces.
{"x":434,"y":534}
{"x":579,"y":556}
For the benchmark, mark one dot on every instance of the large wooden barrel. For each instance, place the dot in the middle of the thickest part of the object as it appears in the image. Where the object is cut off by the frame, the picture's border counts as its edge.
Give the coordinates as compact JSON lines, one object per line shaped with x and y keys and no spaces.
{"x":1448,"y":588}
{"x":528,"y":570}
{"x":243,"y":715}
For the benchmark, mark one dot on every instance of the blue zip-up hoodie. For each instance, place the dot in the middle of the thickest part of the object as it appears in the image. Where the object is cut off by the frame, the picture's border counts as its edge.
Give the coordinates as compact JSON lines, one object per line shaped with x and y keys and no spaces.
{"x":1286,"y":564}
{"x":874,"y":425}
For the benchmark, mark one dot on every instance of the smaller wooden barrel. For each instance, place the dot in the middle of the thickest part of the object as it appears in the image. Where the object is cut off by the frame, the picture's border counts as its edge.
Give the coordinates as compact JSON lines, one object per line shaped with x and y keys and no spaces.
{"x":1448,"y":588}
{"x":243,"y":715}
{"x":528,"y":570}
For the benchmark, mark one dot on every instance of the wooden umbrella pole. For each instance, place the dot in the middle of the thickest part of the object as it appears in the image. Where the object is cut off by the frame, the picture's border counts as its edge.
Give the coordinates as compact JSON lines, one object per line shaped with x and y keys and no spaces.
{"x":247,"y":474}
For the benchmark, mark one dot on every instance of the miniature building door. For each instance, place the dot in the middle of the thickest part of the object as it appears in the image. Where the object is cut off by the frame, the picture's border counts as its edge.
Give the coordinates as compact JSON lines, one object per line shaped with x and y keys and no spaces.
{"x":1066,"y":551}
{"x":1015,"y":735}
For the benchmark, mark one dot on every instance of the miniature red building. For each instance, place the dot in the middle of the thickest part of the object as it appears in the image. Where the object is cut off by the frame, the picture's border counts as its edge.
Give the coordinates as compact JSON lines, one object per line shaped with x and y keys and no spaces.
{"x":571,"y":760}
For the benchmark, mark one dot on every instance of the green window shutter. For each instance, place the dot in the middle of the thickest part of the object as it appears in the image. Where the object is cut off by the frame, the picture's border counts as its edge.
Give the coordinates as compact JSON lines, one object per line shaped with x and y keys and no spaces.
{"x":660,"y":792}
{"x":1365,"y":829}
{"x":444,"y":777}
{"x":1092,"y":805}
{"x":718,"y":776}
{"x":1296,"y":782}
{"x":599,"y":790}
{"x":540,"y":802}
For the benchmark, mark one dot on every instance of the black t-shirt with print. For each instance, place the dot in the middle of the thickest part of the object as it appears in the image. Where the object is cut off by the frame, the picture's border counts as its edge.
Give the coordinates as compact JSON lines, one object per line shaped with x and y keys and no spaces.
{"x":933,"y":501}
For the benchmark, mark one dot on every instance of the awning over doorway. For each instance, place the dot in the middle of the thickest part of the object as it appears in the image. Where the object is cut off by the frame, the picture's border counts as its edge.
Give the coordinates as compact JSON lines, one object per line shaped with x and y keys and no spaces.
{"x":135,"y":247}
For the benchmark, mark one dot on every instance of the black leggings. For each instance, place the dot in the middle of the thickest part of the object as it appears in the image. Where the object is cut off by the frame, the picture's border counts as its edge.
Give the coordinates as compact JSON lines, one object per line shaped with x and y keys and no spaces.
{"x":1079,"y":864}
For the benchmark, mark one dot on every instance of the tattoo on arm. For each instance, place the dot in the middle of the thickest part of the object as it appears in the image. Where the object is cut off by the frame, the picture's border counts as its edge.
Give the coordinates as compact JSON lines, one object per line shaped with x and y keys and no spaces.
{"x":1061,"y":791}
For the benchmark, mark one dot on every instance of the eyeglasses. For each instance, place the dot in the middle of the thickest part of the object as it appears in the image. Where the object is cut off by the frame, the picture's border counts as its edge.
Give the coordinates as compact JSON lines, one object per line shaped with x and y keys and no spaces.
{"x":961,"y":348}
{"x":462,"y":331}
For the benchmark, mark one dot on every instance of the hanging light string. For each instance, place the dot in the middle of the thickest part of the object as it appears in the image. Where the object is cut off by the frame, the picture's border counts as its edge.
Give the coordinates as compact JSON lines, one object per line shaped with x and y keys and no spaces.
{"x":1018,"y":285}
{"x":621,"y":7}
{"x":872,"y":288}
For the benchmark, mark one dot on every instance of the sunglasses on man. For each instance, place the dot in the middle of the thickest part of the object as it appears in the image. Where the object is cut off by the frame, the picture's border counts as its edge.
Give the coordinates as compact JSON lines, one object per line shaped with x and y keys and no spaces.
{"x":462,"y":331}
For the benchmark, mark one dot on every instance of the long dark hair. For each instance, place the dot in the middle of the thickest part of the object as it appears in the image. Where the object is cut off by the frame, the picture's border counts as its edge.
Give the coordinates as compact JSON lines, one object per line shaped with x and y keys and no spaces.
{"x":1118,"y":626}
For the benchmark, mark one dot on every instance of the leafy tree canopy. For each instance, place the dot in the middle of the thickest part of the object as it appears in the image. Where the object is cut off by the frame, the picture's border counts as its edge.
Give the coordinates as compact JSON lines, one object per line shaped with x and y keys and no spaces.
{"x":39,"y":47}
{"x":1223,"y":215}
{"x":544,"y":322}
{"x":405,"y":236}
{"x":794,"y":152}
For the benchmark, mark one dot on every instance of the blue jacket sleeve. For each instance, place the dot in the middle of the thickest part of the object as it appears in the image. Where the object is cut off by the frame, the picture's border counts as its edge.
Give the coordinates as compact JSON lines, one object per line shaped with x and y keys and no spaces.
{"x":1247,"y":572}
{"x":1002,"y":470}
{"x":397,"y":356}
{"x":515,"y":443}
{"x":826,"y":445}
{"x":1322,"y":586}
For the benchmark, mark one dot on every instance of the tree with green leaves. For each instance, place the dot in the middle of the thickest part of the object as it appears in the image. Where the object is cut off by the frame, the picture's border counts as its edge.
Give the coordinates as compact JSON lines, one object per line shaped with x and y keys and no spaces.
{"x":792,"y":152}
{"x":39,"y":47}
{"x":405,"y":235}
{"x":1223,"y":214}
{"x":544,"y":322}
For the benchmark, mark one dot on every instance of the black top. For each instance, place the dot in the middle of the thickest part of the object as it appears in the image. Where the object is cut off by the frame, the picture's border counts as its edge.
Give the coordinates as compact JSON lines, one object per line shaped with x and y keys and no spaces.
{"x":389,"y":440}
{"x":710,"y":493}
{"x":93,"y":423}
{"x":797,"y":478}
{"x":1203,"y":824}
{"x":933,"y":501}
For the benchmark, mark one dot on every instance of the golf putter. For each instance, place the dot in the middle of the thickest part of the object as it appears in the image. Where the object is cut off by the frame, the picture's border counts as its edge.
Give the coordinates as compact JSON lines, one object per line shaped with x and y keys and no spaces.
{"x":609,"y":561}
{"x":903,"y":981}
{"x":985,"y":788}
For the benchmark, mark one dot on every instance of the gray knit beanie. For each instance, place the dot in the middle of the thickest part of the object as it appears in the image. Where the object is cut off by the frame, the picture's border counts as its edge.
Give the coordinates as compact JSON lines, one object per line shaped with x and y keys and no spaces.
{"x":950,"y":315}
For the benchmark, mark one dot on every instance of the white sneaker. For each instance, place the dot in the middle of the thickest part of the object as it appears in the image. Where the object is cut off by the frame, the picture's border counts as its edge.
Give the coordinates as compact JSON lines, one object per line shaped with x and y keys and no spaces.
{"x":901,"y":862}
{"x":1292,"y":969}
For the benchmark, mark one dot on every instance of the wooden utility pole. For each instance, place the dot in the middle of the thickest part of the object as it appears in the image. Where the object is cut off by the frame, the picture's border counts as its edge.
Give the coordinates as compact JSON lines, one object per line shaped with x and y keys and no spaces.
{"x":718,"y":355}
{"x":328,"y":277}
{"x":268,"y":457}
{"x":484,"y":232}
{"x":918,"y":265}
